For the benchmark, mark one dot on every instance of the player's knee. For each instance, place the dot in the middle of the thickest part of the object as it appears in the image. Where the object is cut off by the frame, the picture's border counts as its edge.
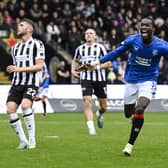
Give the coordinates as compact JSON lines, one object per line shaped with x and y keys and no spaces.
{"x":87,"y":101}
{"x":102,"y":109}
{"x":25,"y":106}
{"x":11,"y":108}
{"x":139,"y":109}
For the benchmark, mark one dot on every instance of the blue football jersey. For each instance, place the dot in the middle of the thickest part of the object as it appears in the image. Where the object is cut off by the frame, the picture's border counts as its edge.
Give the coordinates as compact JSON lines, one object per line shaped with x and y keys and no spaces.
{"x":46,"y":82}
{"x":143,"y":63}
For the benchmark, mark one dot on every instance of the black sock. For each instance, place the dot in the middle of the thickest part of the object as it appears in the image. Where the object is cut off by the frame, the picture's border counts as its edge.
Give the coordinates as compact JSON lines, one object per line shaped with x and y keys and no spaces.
{"x":137,"y":124}
{"x":101,"y":111}
{"x":44,"y":107}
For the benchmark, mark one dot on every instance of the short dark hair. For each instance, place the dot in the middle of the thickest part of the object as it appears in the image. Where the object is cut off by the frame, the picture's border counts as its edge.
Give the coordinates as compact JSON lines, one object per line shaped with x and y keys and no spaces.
{"x":29,"y":21}
{"x":150,"y":18}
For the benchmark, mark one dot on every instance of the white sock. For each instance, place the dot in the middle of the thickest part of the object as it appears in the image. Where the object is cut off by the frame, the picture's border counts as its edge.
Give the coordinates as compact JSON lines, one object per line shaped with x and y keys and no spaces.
{"x":90,"y":125}
{"x":29,"y":122}
{"x":17,"y":126}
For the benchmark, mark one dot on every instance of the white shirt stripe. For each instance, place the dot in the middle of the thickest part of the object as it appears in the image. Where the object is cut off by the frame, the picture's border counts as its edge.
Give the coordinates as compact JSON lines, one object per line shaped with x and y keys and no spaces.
{"x":24,"y":55}
{"x":87,"y":53}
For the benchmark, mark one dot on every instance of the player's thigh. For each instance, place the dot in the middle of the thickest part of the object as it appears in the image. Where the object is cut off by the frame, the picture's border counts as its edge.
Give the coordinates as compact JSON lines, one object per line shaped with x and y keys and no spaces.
{"x":30,"y":92}
{"x":147,"y":89}
{"x":26,"y":103}
{"x":15,"y":94}
{"x":87,"y":101}
{"x":100,"y":89}
{"x":28,"y":96}
{"x":45,"y":92}
{"x":87,"y":88}
{"x":130,"y":93}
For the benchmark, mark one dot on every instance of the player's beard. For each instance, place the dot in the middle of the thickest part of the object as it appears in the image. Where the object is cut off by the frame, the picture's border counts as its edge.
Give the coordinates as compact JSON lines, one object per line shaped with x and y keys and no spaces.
{"x":21,"y":34}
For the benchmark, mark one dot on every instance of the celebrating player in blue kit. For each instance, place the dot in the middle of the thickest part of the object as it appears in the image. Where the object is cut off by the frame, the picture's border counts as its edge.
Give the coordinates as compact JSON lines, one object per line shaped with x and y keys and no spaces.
{"x":141,"y":73}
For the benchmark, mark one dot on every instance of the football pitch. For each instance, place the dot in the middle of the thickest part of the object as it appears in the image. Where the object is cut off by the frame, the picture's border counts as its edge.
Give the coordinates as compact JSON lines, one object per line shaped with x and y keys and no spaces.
{"x":63,"y":142}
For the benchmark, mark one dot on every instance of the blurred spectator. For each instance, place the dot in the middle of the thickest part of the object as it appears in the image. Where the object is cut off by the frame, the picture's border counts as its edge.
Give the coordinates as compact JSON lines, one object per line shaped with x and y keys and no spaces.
{"x":162,"y":35}
{"x":22,"y":4}
{"x":120,"y":33}
{"x":96,"y":27}
{"x":163,"y":8}
{"x":55,"y":17}
{"x":7,"y":18}
{"x":40,"y":30}
{"x":4,"y":27}
{"x":143,"y":6}
{"x":14,"y":26}
{"x":53,"y":31}
{"x":21,"y":14}
{"x":119,"y":66}
{"x":105,"y":40}
{"x":111,"y":76}
{"x":114,"y":39}
{"x":159,"y":26}
{"x":12,"y":7}
{"x":62,"y":74}
{"x":152,"y":10}
{"x":120,"y":19}
{"x":74,"y":39}
{"x":55,"y":5}
{"x":63,"y":36}
{"x":67,"y":13}
{"x":163,"y":74}
{"x":119,"y":79}
{"x":35,"y":12}
{"x":45,"y":14}
{"x":2,"y":6}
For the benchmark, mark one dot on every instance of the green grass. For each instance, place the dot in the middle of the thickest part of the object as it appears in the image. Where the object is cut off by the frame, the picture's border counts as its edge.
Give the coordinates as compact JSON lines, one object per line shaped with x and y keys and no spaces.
{"x":63,"y":142}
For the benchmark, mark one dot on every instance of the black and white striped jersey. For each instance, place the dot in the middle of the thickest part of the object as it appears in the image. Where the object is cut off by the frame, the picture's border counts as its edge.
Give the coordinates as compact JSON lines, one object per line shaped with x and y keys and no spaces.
{"x":85,"y":54}
{"x":24,"y":55}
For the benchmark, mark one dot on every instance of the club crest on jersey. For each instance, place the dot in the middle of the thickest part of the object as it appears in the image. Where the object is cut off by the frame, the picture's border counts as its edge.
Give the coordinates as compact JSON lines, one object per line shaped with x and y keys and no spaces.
{"x":135,"y":48}
{"x":155,"y":52}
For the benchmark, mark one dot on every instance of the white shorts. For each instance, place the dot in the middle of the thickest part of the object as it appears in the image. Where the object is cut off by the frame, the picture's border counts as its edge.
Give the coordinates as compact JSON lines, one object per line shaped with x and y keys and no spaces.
{"x":42,"y":92}
{"x":134,"y":91}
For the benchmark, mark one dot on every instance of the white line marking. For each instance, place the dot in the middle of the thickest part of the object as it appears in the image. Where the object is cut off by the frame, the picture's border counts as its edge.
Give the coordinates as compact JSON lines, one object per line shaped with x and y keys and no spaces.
{"x":51,"y":136}
{"x":107,"y":122}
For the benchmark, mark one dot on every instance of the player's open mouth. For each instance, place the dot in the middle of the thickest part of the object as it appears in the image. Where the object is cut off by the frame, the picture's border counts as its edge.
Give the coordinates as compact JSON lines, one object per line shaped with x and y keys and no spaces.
{"x":144,"y":33}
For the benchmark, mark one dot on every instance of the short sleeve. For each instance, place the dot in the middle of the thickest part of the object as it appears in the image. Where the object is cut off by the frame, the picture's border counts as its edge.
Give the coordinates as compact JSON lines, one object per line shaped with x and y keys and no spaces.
{"x":40,"y":50}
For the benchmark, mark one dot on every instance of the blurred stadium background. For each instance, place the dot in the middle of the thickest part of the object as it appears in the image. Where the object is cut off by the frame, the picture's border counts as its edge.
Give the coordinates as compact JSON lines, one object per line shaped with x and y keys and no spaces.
{"x":62,"y":138}
{"x":60,"y":24}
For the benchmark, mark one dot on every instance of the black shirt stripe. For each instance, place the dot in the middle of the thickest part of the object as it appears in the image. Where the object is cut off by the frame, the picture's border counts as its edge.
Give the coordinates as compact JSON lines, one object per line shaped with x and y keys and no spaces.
{"x":24,"y":55}
{"x":87,"y":53}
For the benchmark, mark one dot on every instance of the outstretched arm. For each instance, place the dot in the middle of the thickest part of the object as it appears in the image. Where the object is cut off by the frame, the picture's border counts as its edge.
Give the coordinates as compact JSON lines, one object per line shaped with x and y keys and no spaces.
{"x":105,"y":65}
{"x":114,"y":54}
